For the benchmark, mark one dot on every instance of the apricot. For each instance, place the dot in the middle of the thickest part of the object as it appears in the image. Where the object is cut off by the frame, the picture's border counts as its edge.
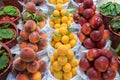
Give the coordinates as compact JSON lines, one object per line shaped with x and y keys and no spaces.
{"x":62,"y":50}
{"x":109,"y":74}
{"x":58,"y":74}
{"x":93,"y":74}
{"x":92,"y":54}
{"x":55,"y":54}
{"x":30,"y":7}
{"x":86,"y":29}
{"x":36,"y":76}
{"x":114,"y":63}
{"x":101,"y":64}
{"x":27,"y":54}
{"x":88,"y":43}
{"x":70,"y":54}
{"x":67,"y":67}
{"x":42,"y":44}
{"x":84,"y":64}
{"x":73,"y":62}
{"x":33,"y":66}
{"x":22,"y":76}
{"x":62,"y":60}
{"x":34,"y":37}
{"x":52,"y":59}
{"x":33,"y":46}
{"x":43,"y":66}
{"x":19,"y":65}
{"x":96,"y":35}
{"x":81,"y":37}
{"x":23,"y":44}
{"x":30,"y":25}
{"x":24,"y":34}
{"x":74,"y":71}
{"x":56,"y":66}
{"x":67,"y":75}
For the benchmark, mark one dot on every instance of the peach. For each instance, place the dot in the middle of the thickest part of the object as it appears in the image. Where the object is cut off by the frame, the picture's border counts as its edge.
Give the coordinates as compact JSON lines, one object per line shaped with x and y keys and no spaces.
{"x":43,"y":66}
{"x":24,"y":34}
{"x":30,"y":25}
{"x":36,"y":76}
{"x":34,"y":37}
{"x":23,"y":44}
{"x":42,"y":44}
{"x":88,"y":43}
{"x":41,"y":24}
{"x":82,"y":20}
{"x":27,"y":54}
{"x":80,"y":9}
{"x":19,"y":65}
{"x":81,"y":37}
{"x":109,"y":74}
{"x":84,"y":64}
{"x":43,"y":35}
{"x":30,"y":7}
{"x":96,"y":35}
{"x":106,"y":53}
{"x":101,"y":64}
{"x":33,"y":46}
{"x":106,"y":34}
{"x":86,"y":29}
{"x":37,"y":29}
{"x":88,"y":13}
{"x":33,"y":66}
{"x":94,"y":8}
{"x":114,"y":63}
{"x":92,"y":54}
{"x":102,"y":28}
{"x":101,"y":44}
{"x":22,"y":76}
{"x":88,"y":3}
{"x":93,"y":74}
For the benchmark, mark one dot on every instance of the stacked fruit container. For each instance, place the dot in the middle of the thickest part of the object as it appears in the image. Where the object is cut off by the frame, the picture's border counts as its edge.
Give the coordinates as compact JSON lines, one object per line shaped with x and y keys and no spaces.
{"x":59,"y":40}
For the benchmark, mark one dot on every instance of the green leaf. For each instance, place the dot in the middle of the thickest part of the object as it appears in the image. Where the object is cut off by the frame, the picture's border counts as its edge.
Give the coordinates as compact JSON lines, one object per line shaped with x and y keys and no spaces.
{"x":10,"y":10}
{"x":5,"y":25}
{"x":26,"y":16}
{"x":69,"y":11}
{"x":58,"y":34}
{"x":6,"y":34}
{"x":3,"y":61}
{"x":1,"y":13}
{"x":118,"y":48}
{"x":36,"y":18}
{"x":69,"y":30}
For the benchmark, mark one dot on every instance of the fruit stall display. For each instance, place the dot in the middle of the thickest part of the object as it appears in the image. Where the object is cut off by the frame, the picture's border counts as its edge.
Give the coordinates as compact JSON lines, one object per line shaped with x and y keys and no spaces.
{"x":49,"y":38}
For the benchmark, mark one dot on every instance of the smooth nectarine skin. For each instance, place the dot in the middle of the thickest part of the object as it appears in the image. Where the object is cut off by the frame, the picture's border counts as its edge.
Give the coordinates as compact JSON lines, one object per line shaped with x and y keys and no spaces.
{"x":106,"y":34}
{"x":33,"y":66}
{"x":82,"y":20}
{"x":30,"y":25}
{"x":93,"y":74}
{"x":114,"y":63}
{"x":43,"y":65}
{"x":76,"y":17}
{"x":88,"y":43}
{"x":22,"y":76}
{"x":109,"y":74}
{"x":19,"y":65}
{"x":34,"y":37}
{"x":24,"y":34}
{"x":80,"y":9}
{"x":88,"y":3}
{"x":84,"y":64}
{"x":101,"y":63}
{"x":101,"y":44}
{"x":86,"y":29}
{"x":27,"y":54}
{"x":96,"y":35}
{"x":30,"y":7}
{"x":33,"y":46}
{"x":92,"y":54}
{"x":81,"y":37}
{"x":88,"y":13}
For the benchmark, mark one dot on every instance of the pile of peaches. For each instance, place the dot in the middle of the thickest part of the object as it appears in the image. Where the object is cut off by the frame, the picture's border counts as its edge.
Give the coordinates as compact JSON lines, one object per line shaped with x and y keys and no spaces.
{"x":32,"y":37}
{"x":99,"y":64}
{"x":31,"y":13}
{"x":28,"y":66}
{"x":92,"y":33}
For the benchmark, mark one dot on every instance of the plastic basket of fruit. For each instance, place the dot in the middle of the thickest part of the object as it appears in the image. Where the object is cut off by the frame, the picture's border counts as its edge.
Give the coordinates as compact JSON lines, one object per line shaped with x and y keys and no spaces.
{"x":100,"y":64}
{"x":53,"y":4}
